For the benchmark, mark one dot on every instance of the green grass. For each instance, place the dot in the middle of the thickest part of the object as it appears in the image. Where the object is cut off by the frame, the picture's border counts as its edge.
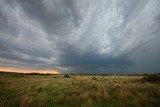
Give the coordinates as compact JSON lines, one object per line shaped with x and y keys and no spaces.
{"x":30,"y":90}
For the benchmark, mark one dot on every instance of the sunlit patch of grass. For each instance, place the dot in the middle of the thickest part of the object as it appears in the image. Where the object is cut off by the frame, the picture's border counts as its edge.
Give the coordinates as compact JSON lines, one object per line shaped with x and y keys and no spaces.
{"x":25,"y":101}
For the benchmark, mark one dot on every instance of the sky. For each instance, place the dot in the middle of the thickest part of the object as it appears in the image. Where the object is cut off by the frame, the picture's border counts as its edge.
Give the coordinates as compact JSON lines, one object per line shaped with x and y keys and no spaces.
{"x":81,"y":36}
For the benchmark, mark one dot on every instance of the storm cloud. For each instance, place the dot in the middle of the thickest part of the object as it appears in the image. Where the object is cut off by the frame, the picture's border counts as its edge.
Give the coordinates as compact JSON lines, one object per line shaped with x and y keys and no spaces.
{"x":81,"y":36}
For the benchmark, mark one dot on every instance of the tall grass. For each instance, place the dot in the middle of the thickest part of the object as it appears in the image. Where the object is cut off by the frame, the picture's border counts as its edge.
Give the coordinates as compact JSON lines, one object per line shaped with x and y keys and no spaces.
{"x":79,"y":91}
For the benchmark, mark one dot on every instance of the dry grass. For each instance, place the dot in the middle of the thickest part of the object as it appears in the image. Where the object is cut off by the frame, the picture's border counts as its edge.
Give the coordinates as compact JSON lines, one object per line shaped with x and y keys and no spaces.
{"x":79,"y":90}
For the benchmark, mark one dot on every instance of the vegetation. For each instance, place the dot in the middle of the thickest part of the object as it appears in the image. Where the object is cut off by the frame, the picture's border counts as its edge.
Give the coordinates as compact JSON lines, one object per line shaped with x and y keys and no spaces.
{"x":154,"y":78}
{"x":26,"y":90}
{"x":67,"y":76}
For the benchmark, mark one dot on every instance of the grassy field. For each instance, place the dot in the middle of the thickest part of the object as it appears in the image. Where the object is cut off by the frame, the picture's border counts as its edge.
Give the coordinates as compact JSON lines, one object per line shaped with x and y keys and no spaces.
{"x":32,"y":90}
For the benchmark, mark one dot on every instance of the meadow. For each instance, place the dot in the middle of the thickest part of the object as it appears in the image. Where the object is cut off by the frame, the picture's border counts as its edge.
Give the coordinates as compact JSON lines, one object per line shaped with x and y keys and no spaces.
{"x":37,"y":90}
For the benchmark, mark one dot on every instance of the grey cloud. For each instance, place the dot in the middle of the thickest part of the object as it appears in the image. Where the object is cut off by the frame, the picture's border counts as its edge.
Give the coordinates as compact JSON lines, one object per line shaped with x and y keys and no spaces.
{"x":72,"y":57}
{"x":51,"y":14}
{"x":81,"y":36}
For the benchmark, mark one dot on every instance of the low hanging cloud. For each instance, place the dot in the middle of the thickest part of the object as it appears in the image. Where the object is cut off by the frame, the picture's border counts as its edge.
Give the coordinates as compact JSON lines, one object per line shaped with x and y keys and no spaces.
{"x":81,"y":36}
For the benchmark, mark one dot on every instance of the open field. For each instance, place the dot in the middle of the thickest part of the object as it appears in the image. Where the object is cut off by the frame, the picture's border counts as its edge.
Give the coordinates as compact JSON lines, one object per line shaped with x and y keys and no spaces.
{"x":28,"y":90}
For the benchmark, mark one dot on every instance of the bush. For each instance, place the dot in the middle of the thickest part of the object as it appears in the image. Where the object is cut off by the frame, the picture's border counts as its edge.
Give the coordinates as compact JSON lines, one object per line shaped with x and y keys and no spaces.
{"x":94,"y":78}
{"x":152,"y":78}
{"x":67,"y":76}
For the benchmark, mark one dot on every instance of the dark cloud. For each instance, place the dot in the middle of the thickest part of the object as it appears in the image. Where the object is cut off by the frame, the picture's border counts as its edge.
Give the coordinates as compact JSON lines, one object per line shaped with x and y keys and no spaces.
{"x":81,"y":36}
{"x":72,"y":57}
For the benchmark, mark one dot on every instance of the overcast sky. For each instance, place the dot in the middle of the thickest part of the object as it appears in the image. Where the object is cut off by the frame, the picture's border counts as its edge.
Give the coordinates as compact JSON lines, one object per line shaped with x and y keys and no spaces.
{"x":81,"y":36}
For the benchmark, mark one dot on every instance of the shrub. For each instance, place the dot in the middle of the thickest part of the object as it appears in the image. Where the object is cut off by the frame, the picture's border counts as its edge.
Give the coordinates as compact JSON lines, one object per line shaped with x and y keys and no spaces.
{"x":94,"y":78}
{"x":152,"y":78}
{"x":67,"y":76}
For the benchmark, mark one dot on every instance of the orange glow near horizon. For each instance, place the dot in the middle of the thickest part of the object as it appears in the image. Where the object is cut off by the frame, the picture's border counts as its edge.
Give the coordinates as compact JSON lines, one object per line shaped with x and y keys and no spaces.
{"x":3,"y":69}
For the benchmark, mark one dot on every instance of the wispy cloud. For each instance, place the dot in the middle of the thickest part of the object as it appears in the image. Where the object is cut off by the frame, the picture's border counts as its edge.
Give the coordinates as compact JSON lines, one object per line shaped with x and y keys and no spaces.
{"x":68,"y":34}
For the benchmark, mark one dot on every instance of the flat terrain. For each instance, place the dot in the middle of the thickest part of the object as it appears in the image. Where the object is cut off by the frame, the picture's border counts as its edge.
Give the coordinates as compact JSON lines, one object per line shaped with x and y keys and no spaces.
{"x":77,"y":90}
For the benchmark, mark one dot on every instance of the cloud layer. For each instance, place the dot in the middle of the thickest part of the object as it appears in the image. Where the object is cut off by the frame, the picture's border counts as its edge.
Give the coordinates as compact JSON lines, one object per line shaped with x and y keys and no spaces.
{"x":81,"y":36}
